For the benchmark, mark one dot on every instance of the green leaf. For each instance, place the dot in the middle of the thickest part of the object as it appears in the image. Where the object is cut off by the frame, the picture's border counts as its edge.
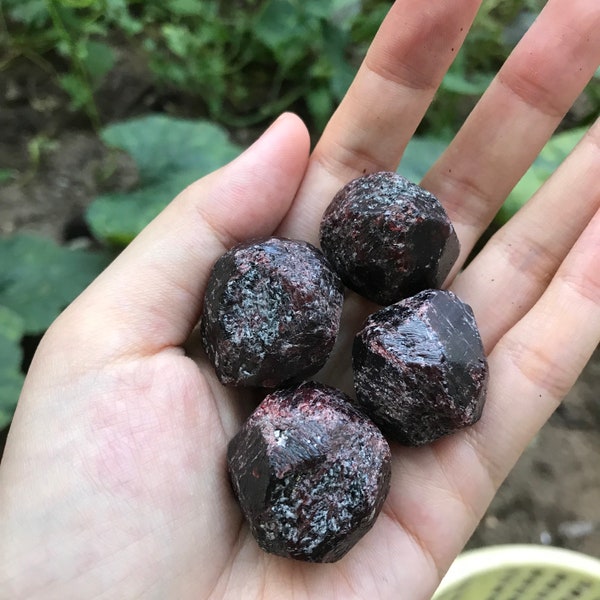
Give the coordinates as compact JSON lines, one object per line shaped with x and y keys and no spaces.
{"x":185,"y":8}
{"x":320,"y":105}
{"x":117,"y":218}
{"x":77,"y":3}
{"x":116,"y":11}
{"x":551,"y":156}
{"x":6,"y":175}
{"x":99,"y":60}
{"x":278,"y":19}
{"x":30,"y":12}
{"x":475,"y":85}
{"x":316,"y":8}
{"x":177,"y":38}
{"x":77,"y":88}
{"x":338,"y":12}
{"x":170,"y":153}
{"x":161,"y":145}
{"x":343,"y":12}
{"x":342,"y":73}
{"x":38,"y":278}
{"x":12,"y":326}
{"x":365,"y":27}
{"x":419,"y":156}
{"x":287,"y":31}
{"x":11,"y":378}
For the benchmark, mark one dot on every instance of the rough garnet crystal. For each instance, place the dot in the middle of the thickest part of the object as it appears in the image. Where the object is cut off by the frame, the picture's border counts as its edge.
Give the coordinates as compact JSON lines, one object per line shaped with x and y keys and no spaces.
{"x":310,"y":472}
{"x":271,"y":312}
{"x":388,"y":238}
{"x":420,"y":371}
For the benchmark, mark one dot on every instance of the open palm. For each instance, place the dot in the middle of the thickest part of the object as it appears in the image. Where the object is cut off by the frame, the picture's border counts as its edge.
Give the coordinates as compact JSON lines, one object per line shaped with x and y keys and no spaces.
{"x":114,"y":481}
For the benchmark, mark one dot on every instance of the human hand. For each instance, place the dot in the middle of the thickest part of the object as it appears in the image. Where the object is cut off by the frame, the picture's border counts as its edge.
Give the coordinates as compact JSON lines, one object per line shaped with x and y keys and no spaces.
{"x":114,"y":482}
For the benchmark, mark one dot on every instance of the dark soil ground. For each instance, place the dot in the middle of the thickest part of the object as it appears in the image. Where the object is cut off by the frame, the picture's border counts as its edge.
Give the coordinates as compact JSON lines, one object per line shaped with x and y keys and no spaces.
{"x":553,"y":494}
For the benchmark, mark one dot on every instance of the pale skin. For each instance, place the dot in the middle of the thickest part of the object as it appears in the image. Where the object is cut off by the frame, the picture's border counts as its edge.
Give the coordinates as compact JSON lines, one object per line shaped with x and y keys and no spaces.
{"x":114,"y":483}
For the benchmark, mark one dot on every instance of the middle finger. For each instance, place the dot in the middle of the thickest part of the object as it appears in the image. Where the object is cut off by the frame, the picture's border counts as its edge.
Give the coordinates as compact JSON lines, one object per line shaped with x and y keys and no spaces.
{"x":515,"y":117}
{"x":384,"y":105}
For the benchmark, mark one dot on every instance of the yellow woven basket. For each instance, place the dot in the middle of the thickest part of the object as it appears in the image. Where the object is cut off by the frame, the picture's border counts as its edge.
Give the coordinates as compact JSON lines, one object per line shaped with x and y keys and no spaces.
{"x":521,"y":572}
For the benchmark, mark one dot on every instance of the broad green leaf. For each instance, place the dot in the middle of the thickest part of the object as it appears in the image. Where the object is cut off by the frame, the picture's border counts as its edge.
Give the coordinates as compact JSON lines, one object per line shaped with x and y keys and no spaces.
{"x":170,"y":153}
{"x":12,"y":326}
{"x":6,"y":175}
{"x":117,"y":218}
{"x":278,"y":19}
{"x":11,"y":378}
{"x":38,"y":278}
{"x":162,"y":145}
{"x":288,"y":31}
{"x":553,"y":153}
{"x":419,"y":156}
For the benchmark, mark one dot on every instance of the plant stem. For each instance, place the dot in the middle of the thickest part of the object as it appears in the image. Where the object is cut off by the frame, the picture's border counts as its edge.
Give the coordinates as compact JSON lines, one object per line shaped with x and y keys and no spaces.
{"x":78,"y":65}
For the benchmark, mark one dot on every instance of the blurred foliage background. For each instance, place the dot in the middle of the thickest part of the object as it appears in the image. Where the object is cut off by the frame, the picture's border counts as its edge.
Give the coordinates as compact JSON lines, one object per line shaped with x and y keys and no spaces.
{"x":243,"y":60}
{"x":213,"y":74}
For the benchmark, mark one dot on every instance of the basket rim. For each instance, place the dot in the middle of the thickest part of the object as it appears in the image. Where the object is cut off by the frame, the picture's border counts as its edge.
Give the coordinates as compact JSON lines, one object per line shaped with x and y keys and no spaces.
{"x":493,"y":558}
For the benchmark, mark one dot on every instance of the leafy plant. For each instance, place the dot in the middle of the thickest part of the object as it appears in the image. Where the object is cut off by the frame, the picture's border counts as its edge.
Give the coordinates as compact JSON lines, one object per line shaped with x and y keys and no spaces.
{"x":69,"y":27}
{"x":251,"y":60}
{"x":552,"y":155}
{"x":38,"y":280}
{"x":39,"y":277}
{"x":6,"y":175}
{"x":11,"y":378}
{"x":248,"y":60}
{"x":170,"y":154}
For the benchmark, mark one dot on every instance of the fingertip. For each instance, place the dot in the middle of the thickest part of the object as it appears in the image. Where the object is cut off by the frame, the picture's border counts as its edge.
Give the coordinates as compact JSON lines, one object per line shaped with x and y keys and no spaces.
{"x":253,"y":192}
{"x":287,"y":129}
{"x":290,"y":135}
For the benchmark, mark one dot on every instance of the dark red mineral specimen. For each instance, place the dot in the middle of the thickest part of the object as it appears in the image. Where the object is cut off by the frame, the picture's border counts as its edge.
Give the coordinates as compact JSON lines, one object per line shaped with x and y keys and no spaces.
{"x":388,"y":238}
{"x":271,"y":312}
{"x":420,"y":371}
{"x":310,"y":472}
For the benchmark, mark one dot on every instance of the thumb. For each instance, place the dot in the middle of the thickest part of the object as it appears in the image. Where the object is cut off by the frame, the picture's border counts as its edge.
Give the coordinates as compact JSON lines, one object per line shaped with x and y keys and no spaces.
{"x":151,"y":295}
